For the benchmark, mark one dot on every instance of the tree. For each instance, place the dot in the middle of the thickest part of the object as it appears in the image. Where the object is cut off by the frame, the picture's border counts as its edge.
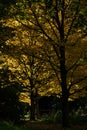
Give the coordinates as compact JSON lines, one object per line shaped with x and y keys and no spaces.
{"x":61,"y":36}
{"x":58,"y":24}
{"x":26,"y":68}
{"x":30,"y":71}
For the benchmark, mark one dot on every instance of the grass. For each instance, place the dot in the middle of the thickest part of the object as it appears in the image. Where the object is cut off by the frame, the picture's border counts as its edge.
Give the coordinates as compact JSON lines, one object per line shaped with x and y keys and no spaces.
{"x":8,"y":126}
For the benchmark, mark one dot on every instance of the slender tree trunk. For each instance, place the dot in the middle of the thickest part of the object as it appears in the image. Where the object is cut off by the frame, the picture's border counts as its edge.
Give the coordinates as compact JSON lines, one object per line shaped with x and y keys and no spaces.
{"x":65,"y":113}
{"x":32,"y":110}
{"x":63,"y":73}
{"x":37,"y":114}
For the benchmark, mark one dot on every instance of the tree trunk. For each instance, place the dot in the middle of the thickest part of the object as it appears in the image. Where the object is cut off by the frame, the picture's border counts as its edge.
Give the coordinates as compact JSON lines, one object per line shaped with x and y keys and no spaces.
{"x":65,"y":113}
{"x":32,"y":110}
{"x":37,"y":114}
{"x":63,"y":74}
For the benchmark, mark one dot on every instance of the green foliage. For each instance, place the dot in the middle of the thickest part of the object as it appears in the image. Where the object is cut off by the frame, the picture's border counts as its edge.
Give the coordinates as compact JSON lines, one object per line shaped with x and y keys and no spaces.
{"x":48,"y":4}
{"x":5,"y":6}
{"x":79,"y":116}
{"x":55,"y":117}
{"x":81,"y":11}
{"x":8,"y":2}
{"x":9,"y":126}
{"x":2,"y":10}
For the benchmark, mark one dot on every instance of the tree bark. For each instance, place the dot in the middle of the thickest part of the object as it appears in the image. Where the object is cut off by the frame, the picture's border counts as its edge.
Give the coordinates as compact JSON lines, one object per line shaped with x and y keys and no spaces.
{"x":65,"y":95}
{"x":37,"y":114}
{"x":32,"y":109}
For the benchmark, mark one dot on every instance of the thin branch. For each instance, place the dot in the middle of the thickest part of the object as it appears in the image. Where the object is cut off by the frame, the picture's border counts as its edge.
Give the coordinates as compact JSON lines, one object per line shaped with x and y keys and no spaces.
{"x":46,"y":34}
{"x":72,"y":21}
{"x":77,"y":81}
{"x":57,"y":16}
{"x":78,"y":90}
{"x":75,"y":64}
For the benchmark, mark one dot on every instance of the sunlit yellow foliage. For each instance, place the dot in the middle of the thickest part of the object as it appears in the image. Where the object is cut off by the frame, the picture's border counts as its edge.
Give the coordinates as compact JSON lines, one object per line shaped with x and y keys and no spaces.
{"x":28,"y":39}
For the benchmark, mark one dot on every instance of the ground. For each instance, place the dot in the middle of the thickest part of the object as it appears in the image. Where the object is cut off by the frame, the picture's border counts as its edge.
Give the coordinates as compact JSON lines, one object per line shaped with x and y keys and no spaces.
{"x":40,"y":126}
{"x":51,"y":126}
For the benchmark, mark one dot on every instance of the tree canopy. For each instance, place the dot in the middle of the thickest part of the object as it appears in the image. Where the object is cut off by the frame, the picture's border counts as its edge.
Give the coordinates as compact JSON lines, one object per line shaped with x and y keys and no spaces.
{"x":49,"y":47}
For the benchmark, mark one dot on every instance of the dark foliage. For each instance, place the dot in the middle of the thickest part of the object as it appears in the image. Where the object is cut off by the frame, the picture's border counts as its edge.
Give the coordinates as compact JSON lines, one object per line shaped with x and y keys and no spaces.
{"x":10,"y":106}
